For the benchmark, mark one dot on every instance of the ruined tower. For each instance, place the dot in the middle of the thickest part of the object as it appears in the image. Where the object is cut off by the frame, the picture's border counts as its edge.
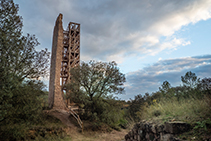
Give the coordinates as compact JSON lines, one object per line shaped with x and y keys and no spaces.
{"x":65,"y":55}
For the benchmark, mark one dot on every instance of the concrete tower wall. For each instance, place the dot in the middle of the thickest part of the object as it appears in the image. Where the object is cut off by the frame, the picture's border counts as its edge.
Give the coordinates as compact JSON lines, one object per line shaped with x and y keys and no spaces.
{"x":55,"y":98}
{"x":65,"y":55}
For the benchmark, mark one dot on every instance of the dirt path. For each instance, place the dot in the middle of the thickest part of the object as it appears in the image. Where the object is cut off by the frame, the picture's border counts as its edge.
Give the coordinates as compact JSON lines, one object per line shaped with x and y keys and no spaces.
{"x":97,"y":136}
{"x":74,"y":131}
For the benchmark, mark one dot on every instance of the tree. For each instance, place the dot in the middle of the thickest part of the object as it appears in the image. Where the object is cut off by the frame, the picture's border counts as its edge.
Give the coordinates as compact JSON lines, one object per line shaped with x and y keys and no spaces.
{"x":20,"y":62}
{"x":165,"y":87}
{"x":18,"y":55}
{"x":190,"y":79}
{"x":205,"y":85}
{"x":135,"y":106}
{"x":167,"y":90}
{"x":95,"y":83}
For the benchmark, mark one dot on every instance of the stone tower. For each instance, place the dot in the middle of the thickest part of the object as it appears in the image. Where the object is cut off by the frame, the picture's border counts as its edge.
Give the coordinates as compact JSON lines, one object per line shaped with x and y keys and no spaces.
{"x":65,"y":55}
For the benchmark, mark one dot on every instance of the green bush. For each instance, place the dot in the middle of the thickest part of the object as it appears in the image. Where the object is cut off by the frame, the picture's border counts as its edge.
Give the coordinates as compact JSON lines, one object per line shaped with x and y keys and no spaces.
{"x":25,"y":109}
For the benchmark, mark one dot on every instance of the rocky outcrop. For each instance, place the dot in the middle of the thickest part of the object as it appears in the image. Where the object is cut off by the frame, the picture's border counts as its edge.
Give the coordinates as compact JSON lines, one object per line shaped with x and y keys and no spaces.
{"x":146,"y":131}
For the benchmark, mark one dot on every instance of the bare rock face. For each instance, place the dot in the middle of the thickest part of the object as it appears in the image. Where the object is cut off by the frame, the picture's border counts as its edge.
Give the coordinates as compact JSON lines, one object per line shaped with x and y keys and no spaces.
{"x":145,"y":131}
{"x":176,"y":127}
{"x":55,"y":98}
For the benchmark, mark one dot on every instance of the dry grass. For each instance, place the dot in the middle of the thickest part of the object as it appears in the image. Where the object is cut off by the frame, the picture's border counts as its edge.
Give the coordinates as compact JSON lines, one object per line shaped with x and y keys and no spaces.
{"x":188,"y":110}
{"x":96,"y":136}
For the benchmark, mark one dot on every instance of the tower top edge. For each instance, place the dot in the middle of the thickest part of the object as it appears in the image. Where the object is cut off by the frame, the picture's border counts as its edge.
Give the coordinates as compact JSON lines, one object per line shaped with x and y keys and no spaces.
{"x":60,"y":17}
{"x":74,"y":23}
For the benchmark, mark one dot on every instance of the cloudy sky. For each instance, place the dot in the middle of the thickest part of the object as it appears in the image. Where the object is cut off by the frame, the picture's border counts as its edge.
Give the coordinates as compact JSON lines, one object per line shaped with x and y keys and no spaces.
{"x":151,"y":40}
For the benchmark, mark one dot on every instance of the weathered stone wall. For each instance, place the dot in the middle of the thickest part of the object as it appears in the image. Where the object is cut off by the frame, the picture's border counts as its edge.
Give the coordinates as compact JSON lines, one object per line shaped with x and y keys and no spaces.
{"x":55,"y":98}
{"x":145,"y":131}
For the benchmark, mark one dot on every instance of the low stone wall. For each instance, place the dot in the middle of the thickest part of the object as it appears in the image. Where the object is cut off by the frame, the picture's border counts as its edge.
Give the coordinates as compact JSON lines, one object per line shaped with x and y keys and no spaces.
{"x":145,"y":131}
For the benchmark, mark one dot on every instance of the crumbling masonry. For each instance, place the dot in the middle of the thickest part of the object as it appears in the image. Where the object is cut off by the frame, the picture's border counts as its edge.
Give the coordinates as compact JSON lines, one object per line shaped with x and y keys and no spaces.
{"x":65,"y":55}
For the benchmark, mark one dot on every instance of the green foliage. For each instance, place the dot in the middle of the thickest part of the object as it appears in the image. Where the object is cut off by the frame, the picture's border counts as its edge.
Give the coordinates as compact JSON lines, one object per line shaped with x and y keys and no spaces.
{"x":20,"y":95}
{"x":93,"y":85}
{"x":205,"y":85}
{"x":25,"y":108}
{"x":190,"y":102}
{"x":27,"y":102}
{"x":111,"y":113}
{"x":165,"y":86}
{"x":18,"y":55}
{"x":190,"y":80}
{"x":13,"y":132}
{"x":96,"y":80}
{"x":107,"y":111}
{"x":202,"y":124}
{"x":192,"y":87}
{"x":19,"y":60}
{"x":166,"y":90}
{"x":135,"y":106}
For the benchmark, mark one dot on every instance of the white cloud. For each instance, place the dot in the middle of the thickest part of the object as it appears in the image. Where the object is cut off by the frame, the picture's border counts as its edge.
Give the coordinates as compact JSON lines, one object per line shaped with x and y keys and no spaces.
{"x":107,"y":25}
{"x":150,"y":78}
{"x":167,"y":25}
{"x":193,"y":12}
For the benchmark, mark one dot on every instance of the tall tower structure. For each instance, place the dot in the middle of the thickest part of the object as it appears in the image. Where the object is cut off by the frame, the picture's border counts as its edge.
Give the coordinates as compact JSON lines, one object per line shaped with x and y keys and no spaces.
{"x":71,"y":51}
{"x":65,"y":55}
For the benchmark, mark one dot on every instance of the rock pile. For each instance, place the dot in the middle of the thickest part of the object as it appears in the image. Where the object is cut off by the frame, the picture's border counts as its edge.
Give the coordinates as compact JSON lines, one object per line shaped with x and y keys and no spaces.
{"x":145,"y":131}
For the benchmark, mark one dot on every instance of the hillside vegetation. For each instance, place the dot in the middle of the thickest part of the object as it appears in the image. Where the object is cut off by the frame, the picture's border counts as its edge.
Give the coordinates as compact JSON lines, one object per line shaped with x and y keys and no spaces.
{"x":190,"y":102}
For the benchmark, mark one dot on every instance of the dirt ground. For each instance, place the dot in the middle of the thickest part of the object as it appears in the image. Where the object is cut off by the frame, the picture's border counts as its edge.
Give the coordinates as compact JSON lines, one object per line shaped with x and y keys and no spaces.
{"x":73,"y":129}
{"x":97,"y":136}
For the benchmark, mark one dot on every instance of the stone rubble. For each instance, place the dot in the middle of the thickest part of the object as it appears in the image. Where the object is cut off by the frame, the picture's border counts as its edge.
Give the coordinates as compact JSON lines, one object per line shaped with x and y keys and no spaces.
{"x":146,"y":131}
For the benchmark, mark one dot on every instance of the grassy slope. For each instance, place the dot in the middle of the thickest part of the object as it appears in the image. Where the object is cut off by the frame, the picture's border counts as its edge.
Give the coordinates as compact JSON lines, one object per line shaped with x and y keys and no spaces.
{"x":197,"y":112}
